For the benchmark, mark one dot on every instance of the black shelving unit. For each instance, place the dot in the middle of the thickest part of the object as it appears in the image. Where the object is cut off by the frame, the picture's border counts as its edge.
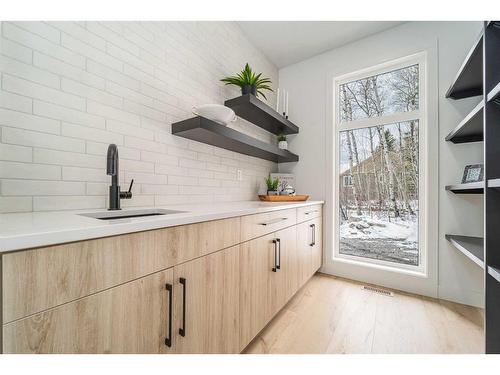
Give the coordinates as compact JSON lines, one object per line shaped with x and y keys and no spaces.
{"x":491,"y":89}
{"x":469,"y":188}
{"x":470,"y":129}
{"x":471,"y":247}
{"x":259,"y":113}
{"x":469,"y":79}
{"x":482,"y":123}
{"x":207,"y":131}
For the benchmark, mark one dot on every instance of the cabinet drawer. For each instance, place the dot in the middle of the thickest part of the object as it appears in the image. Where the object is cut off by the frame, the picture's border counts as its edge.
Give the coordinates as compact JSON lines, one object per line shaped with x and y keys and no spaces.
{"x":309,"y":212}
{"x":38,"y":279}
{"x":130,"y":318}
{"x":257,"y":225}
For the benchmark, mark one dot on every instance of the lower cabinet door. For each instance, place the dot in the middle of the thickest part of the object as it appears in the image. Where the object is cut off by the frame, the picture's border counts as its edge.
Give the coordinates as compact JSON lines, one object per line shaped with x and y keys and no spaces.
{"x":316,"y":227}
{"x":207,"y":303}
{"x":130,"y":318}
{"x":304,"y":250}
{"x":290,"y":265}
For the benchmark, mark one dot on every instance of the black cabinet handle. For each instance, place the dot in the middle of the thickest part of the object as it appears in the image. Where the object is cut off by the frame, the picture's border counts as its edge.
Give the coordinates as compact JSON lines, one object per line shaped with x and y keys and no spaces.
{"x":277,"y":244}
{"x":168,"y":340}
{"x":279,"y":254}
{"x":182,"y":331}
{"x":313,"y":235}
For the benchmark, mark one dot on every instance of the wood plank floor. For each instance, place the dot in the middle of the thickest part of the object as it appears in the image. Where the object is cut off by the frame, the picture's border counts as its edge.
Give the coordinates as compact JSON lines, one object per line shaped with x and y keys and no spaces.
{"x":334,"y":315}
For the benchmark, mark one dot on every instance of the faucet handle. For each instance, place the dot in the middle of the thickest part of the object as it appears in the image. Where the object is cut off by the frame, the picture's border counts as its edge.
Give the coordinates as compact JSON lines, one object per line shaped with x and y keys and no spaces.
{"x":127,"y":194}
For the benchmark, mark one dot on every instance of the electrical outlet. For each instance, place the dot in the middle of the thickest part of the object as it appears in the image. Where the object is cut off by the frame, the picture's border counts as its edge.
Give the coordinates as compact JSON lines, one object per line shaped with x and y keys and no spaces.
{"x":239,"y":175}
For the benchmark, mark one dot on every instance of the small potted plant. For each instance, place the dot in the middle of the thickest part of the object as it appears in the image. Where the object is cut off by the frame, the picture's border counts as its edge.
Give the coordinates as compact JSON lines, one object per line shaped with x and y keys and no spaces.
{"x":249,"y":82}
{"x":282,"y":143}
{"x":272,"y":186}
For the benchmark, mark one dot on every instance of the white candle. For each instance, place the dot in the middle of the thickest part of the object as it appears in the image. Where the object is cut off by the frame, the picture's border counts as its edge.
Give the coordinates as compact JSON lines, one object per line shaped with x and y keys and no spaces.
{"x":278,"y":101}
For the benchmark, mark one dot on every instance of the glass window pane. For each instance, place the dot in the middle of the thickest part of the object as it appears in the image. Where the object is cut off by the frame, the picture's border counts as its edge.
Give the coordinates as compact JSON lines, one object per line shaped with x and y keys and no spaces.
{"x":379,"y":208}
{"x":380,"y":95}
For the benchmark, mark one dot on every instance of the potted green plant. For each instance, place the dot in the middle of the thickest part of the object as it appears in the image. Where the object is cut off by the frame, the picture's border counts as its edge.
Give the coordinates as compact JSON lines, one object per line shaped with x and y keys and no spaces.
{"x":249,"y":82}
{"x":272,"y":186}
{"x":282,"y":143}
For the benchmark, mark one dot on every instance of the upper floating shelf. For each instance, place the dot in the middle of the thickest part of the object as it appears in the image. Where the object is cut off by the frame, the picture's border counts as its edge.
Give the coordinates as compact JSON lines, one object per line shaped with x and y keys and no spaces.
{"x":469,"y":188}
{"x":471,"y":247}
{"x":258,"y":113}
{"x":207,"y":131}
{"x":469,"y":79}
{"x":470,"y":129}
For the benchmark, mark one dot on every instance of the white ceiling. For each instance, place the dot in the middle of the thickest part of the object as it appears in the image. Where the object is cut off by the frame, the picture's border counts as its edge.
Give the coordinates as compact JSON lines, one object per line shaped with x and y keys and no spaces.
{"x":288,"y":42}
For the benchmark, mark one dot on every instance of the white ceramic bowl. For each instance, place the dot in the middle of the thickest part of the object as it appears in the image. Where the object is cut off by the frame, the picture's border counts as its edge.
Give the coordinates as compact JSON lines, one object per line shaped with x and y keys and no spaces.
{"x":215,"y":112}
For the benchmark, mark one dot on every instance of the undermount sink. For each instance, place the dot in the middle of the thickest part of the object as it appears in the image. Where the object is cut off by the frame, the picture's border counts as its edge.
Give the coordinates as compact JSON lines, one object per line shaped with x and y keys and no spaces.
{"x":112,"y":215}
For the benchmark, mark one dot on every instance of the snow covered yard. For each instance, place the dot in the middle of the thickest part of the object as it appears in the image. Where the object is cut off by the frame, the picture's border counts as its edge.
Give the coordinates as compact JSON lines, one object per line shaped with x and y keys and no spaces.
{"x":379,"y":238}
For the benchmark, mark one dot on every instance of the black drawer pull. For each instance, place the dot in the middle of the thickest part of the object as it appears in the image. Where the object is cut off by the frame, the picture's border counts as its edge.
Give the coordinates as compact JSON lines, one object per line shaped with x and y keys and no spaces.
{"x":168,"y":340}
{"x":182,"y":330}
{"x":313,"y":234}
{"x":277,"y":263}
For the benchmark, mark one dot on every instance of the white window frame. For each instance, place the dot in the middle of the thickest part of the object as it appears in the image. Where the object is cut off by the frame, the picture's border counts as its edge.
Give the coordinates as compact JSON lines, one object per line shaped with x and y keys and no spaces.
{"x":421,"y":115}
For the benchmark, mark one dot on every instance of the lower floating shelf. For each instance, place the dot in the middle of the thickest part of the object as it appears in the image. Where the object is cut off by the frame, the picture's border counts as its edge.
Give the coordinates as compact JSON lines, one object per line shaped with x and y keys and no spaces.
{"x":494,"y":272}
{"x":470,"y":188}
{"x":471,"y":247}
{"x":207,"y":131}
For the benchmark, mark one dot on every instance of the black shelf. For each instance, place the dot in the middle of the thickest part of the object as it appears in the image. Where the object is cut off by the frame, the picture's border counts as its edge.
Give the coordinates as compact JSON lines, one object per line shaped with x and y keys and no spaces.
{"x":494,"y":272}
{"x":470,"y":188}
{"x":260,"y":114}
{"x":469,"y":79}
{"x":207,"y":131}
{"x":470,"y":129}
{"x":471,"y":247}
{"x":494,"y":94}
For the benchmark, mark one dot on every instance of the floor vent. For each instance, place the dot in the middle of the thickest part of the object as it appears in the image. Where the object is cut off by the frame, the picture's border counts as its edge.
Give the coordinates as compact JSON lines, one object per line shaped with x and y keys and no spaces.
{"x":373,"y":289}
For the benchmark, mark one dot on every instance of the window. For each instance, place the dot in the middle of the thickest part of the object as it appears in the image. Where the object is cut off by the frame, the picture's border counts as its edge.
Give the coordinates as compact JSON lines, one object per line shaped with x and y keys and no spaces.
{"x":347,"y":180}
{"x":378,"y":164}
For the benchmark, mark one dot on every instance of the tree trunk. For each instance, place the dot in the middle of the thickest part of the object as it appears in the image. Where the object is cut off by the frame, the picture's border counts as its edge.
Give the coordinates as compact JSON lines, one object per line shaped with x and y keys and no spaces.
{"x":351,"y":168}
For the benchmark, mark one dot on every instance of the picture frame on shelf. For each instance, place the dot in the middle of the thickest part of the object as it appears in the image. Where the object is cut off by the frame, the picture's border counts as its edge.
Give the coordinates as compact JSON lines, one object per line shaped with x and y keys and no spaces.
{"x":473,"y":173}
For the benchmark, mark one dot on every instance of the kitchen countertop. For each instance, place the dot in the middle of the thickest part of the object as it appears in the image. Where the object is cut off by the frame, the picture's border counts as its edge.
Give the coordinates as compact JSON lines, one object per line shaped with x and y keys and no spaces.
{"x":28,"y":230}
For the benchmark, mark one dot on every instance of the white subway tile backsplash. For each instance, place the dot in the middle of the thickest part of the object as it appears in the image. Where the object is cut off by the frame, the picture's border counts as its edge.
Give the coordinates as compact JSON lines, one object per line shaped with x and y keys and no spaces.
{"x":83,"y":132}
{"x":27,"y":121}
{"x":59,"y":203}
{"x":67,"y":114}
{"x":29,"y":72}
{"x":32,"y":187}
{"x":15,"y":51}
{"x":71,"y":88}
{"x":16,"y":204}
{"x":34,"y":90}
{"x":16,"y":153}
{"x":16,"y":102}
{"x":41,"y":44}
{"x":36,"y":139}
{"x":27,"y":170}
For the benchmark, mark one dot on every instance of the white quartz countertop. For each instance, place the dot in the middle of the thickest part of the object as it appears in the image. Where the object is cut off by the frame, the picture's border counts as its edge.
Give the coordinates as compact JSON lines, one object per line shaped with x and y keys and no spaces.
{"x":28,"y":230}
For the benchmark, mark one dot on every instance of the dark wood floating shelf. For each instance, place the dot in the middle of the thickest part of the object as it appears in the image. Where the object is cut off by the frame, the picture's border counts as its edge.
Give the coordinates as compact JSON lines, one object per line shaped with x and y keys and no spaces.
{"x":494,"y":272}
{"x":494,"y":94}
{"x":259,"y":113}
{"x":469,"y":79}
{"x":471,"y":247}
{"x":470,"y":188}
{"x":470,"y":129}
{"x":207,"y":131}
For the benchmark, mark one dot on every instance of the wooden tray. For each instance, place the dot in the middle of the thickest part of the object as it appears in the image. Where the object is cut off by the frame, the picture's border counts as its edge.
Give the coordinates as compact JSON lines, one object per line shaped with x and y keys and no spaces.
{"x":283,"y":198}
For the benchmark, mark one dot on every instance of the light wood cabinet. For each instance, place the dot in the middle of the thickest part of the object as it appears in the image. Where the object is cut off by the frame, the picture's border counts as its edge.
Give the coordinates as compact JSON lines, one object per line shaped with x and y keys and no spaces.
{"x":208,"y":287}
{"x":207,"y":304}
{"x":130,"y":318}
{"x":37,"y":279}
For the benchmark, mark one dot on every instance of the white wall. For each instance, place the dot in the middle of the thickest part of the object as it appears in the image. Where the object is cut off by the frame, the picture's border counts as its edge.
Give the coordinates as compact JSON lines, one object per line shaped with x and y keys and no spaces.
{"x":308,"y":82}
{"x":68,"y":89}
